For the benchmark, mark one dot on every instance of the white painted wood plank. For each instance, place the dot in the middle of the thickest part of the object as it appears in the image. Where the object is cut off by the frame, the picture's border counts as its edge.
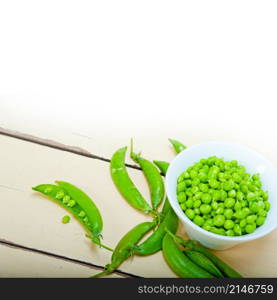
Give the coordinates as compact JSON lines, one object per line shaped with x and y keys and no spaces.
{"x":20,"y":263}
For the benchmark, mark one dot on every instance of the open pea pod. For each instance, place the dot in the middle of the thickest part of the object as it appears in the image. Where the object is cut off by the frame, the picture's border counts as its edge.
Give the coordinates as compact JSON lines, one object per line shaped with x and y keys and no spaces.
{"x":79,"y":204}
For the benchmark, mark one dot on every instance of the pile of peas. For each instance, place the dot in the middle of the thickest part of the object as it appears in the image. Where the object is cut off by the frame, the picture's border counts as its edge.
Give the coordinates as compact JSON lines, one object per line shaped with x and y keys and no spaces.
{"x":221,"y":197}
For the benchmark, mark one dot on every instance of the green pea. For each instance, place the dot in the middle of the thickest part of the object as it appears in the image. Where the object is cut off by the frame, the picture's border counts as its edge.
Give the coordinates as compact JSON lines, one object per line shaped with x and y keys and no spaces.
{"x":246,"y":211}
{"x":213,"y":183}
{"x":188,"y":192}
{"x":66,"y":199}
{"x":205,"y":208}
{"x":82,"y":214}
{"x":65,"y":219}
{"x":260,"y":221}
{"x":211,"y":191}
{"x":194,"y":189}
{"x":206,"y":198}
{"x":182,"y":197}
{"x":207,"y":227}
{"x":237,"y":206}
{"x":223,"y":195}
{"x":203,"y":177}
{"x":181,"y":187}
{"x":186,"y":175}
{"x":251,"y":196}
{"x":230,"y":232}
{"x":219,"y":211}
{"x":237,"y":229}
{"x":188,"y":182}
{"x":243,"y":203}
{"x":221,"y":177}
{"x":228,"y":224}
{"x":204,"y":187}
{"x":228,"y":213}
{"x":71,"y":203}
{"x":258,"y":184}
{"x":183,"y":206}
{"x":254,"y":207}
{"x":228,"y":185}
{"x":251,"y":219}
{"x":262,"y":213}
{"x":236,"y":177}
{"x":267,"y":205}
{"x":214,"y":205}
{"x":190,"y":213}
{"x":196,"y":203}
{"x":240,"y":196}
{"x":265,"y":195}
{"x":215,"y":230}
{"x":256,"y":177}
{"x":189,"y":203}
{"x":244,"y":188}
{"x":229,"y":202}
{"x":261,"y":205}
{"x":180,"y":179}
{"x":195,"y":181}
{"x":85,"y":219}
{"x":209,"y":222}
{"x":240,"y":214}
{"x":232,"y":194}
{"x":216,"y":195}
{"x":198,"y":220}
{"x":193,"y":174}
{"x":198,"y":195}
{"x":197,"y":211}
{"x":60,"y":195}
{"x":242,"y":223}
{"x":48,"y":190}
{"x":250,"y":228}
{"x":219,"y":220}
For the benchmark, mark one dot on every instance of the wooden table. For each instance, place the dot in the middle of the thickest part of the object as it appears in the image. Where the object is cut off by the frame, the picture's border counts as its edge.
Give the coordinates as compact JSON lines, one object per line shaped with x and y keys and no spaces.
{"x":34,"y":242}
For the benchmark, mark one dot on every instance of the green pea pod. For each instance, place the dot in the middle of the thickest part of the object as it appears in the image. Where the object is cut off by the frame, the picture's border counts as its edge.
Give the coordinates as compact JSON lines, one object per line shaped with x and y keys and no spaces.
{"x":178,"y":146}
{"x":154,"y":242}
{"x":78,"y":204}
{"x":221,"y":265}
{"x":202,"y":261}
{"x":162,"y":165}
{"x":153,"y":177}
{"x":165,"y":209}
{"x":125,"y":247}
{"x":179,"y":262}
{"x":124,"y":183}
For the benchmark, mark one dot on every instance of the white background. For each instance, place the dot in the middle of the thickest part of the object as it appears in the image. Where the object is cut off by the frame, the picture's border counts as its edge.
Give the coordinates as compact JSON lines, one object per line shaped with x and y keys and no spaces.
{"x":194,"y":70}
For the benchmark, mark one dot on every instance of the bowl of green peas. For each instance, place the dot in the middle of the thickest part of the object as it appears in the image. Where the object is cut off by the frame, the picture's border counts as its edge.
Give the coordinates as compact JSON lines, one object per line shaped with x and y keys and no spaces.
{"x":225,"y":194}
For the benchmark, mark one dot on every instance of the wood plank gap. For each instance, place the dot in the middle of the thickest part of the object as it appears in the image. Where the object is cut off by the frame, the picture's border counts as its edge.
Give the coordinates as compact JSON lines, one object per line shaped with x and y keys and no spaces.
{"x":55,"y":145}
{"x":65,"y":258}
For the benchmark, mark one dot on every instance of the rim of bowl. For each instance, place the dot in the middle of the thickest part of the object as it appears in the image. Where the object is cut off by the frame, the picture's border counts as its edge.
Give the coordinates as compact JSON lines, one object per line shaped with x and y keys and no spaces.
{"x":181,"y":215}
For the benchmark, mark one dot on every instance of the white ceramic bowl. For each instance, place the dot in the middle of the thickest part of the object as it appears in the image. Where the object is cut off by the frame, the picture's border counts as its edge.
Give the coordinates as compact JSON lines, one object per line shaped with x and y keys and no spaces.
{"x":254,"y":163}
